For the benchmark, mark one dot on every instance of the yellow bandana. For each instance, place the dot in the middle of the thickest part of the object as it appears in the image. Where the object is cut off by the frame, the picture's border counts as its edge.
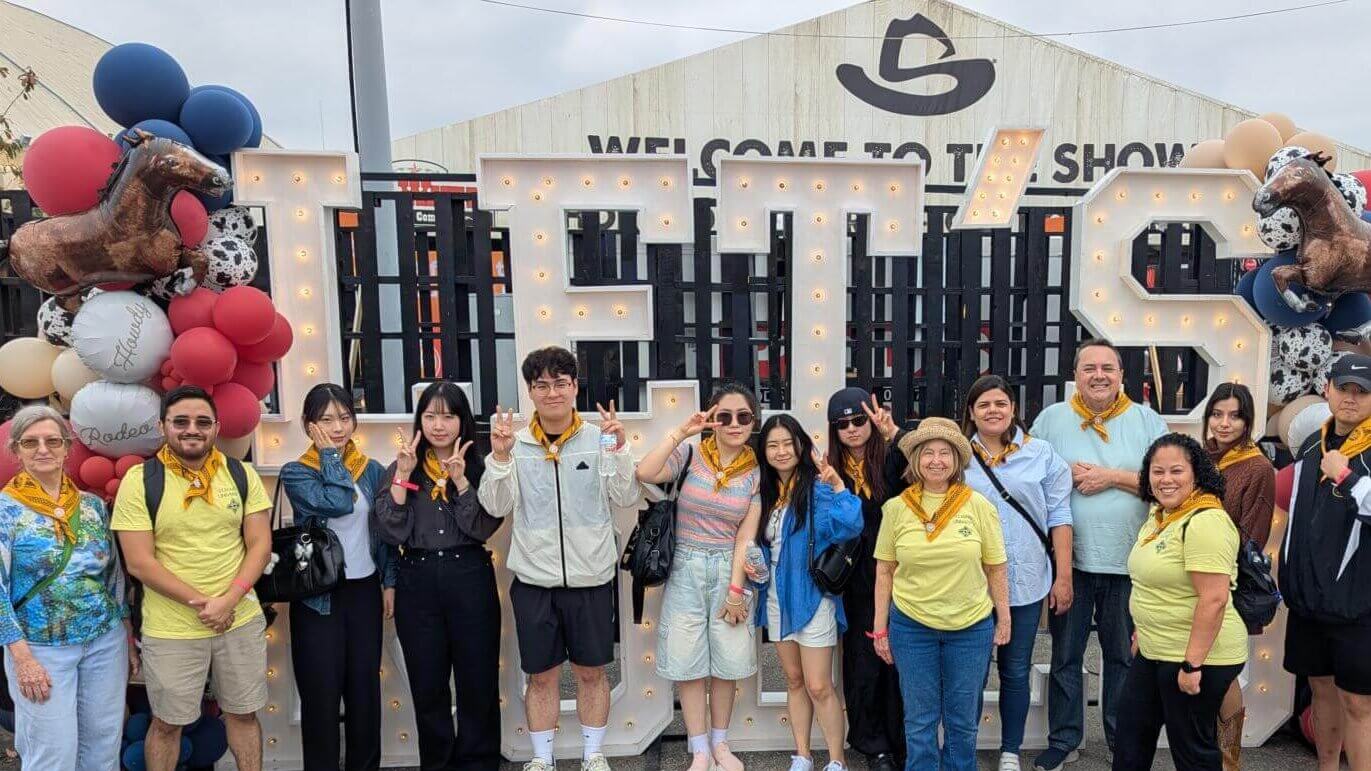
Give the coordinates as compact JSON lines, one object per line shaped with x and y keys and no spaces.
{"x":201,"y":479}
{"x":28,"y":491}
{"x":783,"y":496}
{"x":1096,"y":420}
{"x":437,"y":474}
{"x":1238,"y":454}
{"x":1197,"y":500}
{"x":957,"y":496}
{"x":553,"y":449}
{"x":856,"y":471}
{"x":353,"y":459}
{"x":1356,"y":443}
{"x":745,"y":461}
{"x":1000,"y":457}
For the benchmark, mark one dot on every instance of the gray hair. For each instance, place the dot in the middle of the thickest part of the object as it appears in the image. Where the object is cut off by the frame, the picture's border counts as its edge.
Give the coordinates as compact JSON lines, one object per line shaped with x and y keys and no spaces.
{"x":27,"y":417}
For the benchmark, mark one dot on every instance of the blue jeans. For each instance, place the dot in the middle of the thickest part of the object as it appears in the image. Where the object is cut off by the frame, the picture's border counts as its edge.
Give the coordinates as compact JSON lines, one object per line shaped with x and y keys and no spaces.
{"x":1014,"y":660}
{"x":87,"y":695}
{"x":1102,"y":597}
{"x":941,"y":674}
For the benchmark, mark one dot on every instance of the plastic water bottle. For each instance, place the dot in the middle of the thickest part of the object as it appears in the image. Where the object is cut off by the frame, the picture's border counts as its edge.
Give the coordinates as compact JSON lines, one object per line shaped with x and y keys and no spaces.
{"x":608,"y":444}
{"x":757,"y":561}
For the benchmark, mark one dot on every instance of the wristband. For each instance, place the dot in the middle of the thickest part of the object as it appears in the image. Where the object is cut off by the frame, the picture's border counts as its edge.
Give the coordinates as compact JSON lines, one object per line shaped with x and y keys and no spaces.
{"x":241,"y":585}
{"x":735,"y":589}
{"x":1347,"y":472}
{"x":407,"y":485}
{"x":878,"y":635}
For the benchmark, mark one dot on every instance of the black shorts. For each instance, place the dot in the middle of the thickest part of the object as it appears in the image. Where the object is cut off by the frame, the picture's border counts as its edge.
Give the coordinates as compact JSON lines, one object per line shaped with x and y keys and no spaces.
{"x":563,"y":623}
{"x":1320,"y":649}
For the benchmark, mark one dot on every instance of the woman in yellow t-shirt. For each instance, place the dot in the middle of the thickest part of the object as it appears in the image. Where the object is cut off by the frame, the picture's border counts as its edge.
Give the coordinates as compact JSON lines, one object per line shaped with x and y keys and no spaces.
{"x":940,"y":557}
{"x":1189,"y":642}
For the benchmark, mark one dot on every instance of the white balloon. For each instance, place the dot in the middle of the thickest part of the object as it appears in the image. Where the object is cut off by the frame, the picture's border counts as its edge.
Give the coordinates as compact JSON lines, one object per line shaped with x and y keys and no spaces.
{"x":232,"y":262}
{"x":124,"y":336}
{"x":1304,"y":424}
{"x":116,"y":419}
{"x":232,"y":221}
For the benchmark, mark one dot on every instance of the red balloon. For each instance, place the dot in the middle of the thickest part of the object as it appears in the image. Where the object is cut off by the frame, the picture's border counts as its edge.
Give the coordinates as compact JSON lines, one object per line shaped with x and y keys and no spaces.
{"x":192,"y":310}
{"x":238,"y":409}
{"x":76,"y":455}
{"x":1285,"y":484}
{"x":65,"y":168}
{"x":203,"y":356}
{"x":96,"y":472}
{"x":112,"y":487}
{"x":122,"y":466}
{"x":166,"y":365}
{"x":273,"y":346}
{"x":190,"y":217}
{"x":169,"y":383}
{"x":257,"y":378}
{"x":244,"y":314}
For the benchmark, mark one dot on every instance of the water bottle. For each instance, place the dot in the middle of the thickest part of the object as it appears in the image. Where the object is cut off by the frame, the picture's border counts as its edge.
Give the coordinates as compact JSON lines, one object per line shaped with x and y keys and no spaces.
{"x":608,"y":443}
{"x":757,"y":561}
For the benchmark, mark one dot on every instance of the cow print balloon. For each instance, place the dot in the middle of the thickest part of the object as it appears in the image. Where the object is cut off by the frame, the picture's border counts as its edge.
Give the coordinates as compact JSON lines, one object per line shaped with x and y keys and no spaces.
{"x":1353,"y":191}
{"x":1282,"y":157}
{"x":1280,"y":230}
{"x":231,"y":263}
{"x":233,"y":221}
{"x":1319,"y":384}
{"x":54,"y":323}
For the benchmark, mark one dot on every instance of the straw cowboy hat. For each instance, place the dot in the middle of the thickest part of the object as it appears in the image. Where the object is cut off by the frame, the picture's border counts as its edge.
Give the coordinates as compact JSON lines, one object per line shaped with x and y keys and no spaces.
{"x":936,"y":428}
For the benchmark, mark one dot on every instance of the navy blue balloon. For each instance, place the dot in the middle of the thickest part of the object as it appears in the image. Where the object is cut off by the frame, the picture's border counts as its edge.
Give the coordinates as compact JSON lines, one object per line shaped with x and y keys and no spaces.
{"x":255,"y":139}
{"x":1366,"y":216}
{"x":209,"y":742}
{"x":1351,"y":310}
{"x":186,"y":747}
{"x":158,"y":128}
{"x":135,"y":82}
{"x":133,"y":758}
{"x":217,"y":121}
{"x":136,"y":727}
{"x":1244,"y":287}
{"x":1271,"y":305}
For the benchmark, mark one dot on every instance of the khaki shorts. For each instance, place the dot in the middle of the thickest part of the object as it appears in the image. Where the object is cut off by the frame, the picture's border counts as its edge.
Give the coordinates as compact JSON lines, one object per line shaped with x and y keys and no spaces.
{"x":236,"y":663}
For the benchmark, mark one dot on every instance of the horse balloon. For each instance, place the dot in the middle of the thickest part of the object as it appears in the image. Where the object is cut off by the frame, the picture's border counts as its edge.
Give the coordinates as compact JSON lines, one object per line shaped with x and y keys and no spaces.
{"x":1334,"y":255}
{"x":129,"y":237}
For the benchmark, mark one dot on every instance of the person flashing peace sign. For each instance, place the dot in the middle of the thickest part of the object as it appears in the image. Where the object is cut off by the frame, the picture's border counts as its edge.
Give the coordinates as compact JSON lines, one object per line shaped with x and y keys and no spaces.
{"x":447,"y":612}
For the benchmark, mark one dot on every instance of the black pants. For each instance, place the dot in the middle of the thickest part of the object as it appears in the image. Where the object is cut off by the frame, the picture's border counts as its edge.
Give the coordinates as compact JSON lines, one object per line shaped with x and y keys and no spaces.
{"x":1151,"y":699}
{"x":871,"y":687}
{"x":447,"y":615}
{"x":337,"y":660}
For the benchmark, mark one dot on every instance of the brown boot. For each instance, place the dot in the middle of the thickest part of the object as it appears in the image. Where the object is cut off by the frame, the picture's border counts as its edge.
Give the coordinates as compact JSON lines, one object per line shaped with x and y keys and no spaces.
{"x":1230,"y":740}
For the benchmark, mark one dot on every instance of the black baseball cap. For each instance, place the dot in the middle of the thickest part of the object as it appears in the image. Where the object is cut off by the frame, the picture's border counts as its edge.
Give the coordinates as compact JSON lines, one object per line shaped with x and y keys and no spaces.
{"x":1352,"y":368}
{"x":847,"y":403}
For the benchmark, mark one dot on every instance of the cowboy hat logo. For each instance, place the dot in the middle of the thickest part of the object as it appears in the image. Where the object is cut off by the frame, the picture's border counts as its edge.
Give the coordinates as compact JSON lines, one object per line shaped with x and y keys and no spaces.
{"x":973,"y":77}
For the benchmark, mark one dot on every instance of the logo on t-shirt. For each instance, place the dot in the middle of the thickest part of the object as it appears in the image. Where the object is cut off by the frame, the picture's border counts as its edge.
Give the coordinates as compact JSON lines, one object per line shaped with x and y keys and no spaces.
{"x":964,"y":531}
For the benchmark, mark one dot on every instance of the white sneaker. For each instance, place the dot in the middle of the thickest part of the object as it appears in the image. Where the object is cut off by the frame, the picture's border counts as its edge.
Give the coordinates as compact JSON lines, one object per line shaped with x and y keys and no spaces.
{"x":538,"y":764}
{"x":596,"y":762}
{"x":834,"y":765}
{"x":1009,"y":762}
{"x":798,"y":763}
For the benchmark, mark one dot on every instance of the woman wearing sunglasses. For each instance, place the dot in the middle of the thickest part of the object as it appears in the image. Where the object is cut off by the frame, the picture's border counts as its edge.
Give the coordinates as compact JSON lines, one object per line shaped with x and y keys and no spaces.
{"x":704,"y":639}
{"x":859,"y":435}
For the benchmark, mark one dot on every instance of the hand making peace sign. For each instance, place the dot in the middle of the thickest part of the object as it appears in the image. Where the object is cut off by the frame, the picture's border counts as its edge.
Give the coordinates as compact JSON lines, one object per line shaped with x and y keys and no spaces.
{"x":405,"y":457}
{"x":610,"y":424}
{"x":501,"y":434}
{"x":456,"y":464}
{"x":827,"y":474}
{"x":881,"y":418}
{"x":698,"y":422}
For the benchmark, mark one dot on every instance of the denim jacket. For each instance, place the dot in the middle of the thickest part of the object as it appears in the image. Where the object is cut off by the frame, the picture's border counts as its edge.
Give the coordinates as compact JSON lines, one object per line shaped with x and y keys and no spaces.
{"x":317,"y":496}
{"x":839,"y":518}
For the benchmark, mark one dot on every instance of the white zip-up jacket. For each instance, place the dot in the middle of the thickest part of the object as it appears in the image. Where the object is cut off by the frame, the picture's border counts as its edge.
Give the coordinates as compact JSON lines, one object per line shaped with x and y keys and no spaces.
{"x":563,"y":533}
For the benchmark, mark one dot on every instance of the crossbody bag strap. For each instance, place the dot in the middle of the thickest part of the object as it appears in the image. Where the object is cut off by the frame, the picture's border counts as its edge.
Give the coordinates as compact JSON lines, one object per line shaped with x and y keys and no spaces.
{"x":62,"y":563}
{"x":999,"y":487}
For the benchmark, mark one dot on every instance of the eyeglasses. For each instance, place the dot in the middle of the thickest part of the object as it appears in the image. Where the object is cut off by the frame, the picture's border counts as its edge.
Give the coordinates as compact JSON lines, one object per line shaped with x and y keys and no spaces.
{"x":856,"y":421}
{"x":726,"y":418}
{"x":51,"y":442}
{"x":543,"y":388}
{"x":181,"y":423}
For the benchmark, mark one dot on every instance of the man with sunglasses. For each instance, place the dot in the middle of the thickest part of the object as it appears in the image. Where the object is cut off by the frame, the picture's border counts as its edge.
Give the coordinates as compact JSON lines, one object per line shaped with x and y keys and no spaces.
{"x":198,"y":556}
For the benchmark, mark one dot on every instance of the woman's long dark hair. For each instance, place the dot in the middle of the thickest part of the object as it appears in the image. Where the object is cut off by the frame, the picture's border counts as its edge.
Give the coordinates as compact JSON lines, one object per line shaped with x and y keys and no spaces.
{"x":984,"y":384}
{"x":1247,"y":410}
{"x":451,"y":395}
{"x":873,"y":458}
{"x":805,"y":473}
{"x":1207,"y":476}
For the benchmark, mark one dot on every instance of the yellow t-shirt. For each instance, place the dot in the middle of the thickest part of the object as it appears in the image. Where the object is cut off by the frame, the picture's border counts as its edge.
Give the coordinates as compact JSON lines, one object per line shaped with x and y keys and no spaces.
{"x":1163,"y":599}
{"x":941,"y":583}
{"x":201,"y":544}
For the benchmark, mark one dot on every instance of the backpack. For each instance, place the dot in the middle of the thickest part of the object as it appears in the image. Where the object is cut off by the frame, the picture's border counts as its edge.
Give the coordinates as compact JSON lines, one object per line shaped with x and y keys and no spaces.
{"x":1255,"y":596}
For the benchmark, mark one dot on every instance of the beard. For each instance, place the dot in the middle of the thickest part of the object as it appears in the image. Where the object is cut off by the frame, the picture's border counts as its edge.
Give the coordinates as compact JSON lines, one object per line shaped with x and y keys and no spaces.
{"x":179,"y":448}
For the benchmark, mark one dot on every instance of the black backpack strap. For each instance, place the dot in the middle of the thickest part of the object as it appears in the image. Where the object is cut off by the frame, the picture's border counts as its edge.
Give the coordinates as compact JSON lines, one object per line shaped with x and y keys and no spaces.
{"x":154,"y":484}
{"x":240,"y":479}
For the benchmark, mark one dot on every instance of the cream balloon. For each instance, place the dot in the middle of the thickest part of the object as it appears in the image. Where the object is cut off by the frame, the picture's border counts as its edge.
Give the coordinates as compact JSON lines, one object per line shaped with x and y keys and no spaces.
{"x":1282,"y":124}
{"x":69,"y":374}
{"x":1249,"y":145}
{"x":1205,"y":155}
{"x":234,"y":448}
{"x":1317,"y":143}
{"x":1273,"y":418}
{"x":1288,"y":415}
{"x":26,"y":367}
{"x":1305,"y":423}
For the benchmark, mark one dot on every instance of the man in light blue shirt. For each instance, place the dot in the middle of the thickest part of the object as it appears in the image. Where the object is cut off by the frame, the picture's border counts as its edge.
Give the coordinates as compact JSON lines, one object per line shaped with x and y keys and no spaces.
{"x":1103,"y":436}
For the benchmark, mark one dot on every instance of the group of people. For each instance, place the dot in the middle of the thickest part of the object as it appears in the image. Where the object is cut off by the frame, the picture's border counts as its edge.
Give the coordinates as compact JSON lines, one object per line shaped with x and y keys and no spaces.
{"x":964,"y":536}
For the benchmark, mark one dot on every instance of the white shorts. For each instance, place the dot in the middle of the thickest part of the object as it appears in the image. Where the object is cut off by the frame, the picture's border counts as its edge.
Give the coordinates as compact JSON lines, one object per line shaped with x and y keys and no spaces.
{"x":820,"y":632}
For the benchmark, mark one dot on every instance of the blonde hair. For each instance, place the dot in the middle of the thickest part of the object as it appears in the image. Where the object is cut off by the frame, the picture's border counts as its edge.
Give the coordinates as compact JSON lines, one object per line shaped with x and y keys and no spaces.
{"x":912,"y":474}
{"x":32,"y":415}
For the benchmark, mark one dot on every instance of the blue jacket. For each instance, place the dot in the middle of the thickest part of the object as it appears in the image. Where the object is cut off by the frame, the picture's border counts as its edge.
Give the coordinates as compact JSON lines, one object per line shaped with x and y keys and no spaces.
{"x":839,"y":518}
{"x":317,"y":496}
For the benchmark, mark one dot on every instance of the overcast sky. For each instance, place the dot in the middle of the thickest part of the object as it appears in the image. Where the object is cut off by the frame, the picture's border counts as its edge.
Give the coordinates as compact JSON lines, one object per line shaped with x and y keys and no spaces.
{"x":448,"y":60}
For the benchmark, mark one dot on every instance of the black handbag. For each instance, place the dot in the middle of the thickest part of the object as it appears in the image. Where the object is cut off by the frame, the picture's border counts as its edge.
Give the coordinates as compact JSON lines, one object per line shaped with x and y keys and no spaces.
{"x":833,"y":569}
{"x":647,"y":555}
{"x":1042,"y":536}
{"x":295,"y":578}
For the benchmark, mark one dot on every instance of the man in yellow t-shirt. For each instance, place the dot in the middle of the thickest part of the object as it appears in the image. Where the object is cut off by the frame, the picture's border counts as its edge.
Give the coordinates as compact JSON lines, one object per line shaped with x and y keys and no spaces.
{"x":198,"y":563}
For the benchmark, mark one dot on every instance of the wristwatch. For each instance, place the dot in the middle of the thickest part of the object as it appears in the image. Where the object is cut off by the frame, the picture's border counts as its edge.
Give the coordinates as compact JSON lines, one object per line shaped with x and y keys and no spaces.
{"x":1189,"y":668}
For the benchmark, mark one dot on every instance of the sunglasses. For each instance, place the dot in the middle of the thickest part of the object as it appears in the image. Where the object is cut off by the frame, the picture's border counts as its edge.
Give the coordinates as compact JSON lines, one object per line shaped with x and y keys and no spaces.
{"x":181,"y":423}
{"x":726,"y":418}
{"x":53,"y":443}
{"x":842,"y":424}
